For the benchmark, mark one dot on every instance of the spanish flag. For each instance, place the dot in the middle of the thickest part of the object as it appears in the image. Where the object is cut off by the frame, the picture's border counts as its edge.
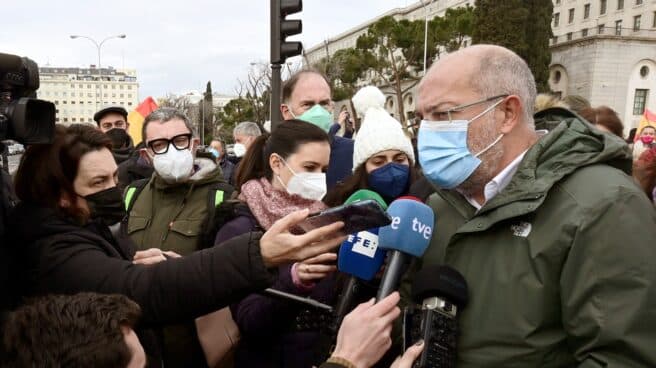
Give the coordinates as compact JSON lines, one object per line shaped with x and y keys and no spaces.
{"x":136,"y":118}
{"x":648,"y":118}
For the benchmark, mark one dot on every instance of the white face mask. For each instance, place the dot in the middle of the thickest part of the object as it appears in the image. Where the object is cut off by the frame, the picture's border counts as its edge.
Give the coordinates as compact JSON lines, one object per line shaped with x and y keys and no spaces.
{"x":306,"y":184}
{"x":240,"y":149}
{"x":174,"y":166}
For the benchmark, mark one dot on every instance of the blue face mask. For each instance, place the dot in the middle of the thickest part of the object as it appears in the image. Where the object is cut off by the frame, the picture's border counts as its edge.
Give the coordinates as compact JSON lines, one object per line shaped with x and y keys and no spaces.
{"x":317,"y":115}
{"x":390,"y":181}
{"x":214,"y":152}
{"x":443,"y":153}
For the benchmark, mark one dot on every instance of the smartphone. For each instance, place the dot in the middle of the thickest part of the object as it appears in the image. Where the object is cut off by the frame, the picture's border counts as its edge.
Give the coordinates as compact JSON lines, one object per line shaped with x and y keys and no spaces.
{"x":357,"y":216}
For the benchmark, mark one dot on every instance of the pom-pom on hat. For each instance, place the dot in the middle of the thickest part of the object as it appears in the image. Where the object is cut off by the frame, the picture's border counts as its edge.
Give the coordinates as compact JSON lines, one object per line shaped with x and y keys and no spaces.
{"x":379,"y":131}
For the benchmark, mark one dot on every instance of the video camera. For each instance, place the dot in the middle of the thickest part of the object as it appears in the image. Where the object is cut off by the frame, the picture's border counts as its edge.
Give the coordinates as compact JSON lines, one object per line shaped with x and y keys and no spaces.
{"x":23,"y":118}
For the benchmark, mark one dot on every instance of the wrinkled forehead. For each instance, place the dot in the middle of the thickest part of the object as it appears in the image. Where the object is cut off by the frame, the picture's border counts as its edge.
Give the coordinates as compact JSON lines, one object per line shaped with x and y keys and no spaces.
{"x":168,"y":129}
{"x":447,"y":84}
{"x":310,"y":87}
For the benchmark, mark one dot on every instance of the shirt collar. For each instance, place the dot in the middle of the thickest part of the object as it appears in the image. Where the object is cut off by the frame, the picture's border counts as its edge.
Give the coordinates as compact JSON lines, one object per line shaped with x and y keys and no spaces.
{"x":498,"y":183}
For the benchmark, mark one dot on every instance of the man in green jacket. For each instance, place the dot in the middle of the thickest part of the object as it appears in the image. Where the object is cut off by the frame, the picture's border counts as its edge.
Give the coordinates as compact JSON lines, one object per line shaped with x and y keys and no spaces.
{"x":554,"y":239}
{"x":171,"y":210}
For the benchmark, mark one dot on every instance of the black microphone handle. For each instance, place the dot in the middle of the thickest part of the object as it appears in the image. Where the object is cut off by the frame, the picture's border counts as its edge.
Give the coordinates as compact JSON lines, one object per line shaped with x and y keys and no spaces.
{"x":345,"y":302}
{"x":394,"y":270}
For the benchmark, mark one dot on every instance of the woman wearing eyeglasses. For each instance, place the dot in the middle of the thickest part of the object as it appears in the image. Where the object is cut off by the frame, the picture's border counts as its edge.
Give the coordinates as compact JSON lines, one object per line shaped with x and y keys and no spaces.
{"x":60,"y":241}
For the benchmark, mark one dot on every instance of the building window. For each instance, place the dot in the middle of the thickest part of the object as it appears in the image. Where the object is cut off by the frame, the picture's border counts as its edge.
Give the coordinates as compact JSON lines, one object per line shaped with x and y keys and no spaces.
{"x":602,"y":6}
{"x":584,"y":32}
{"x":636,"y":23}
{"x":73,"y":119}
{"x":586,"y":11}
{"x":129,"y":103}
{"x":618,"y":27}
{"x":72,"y":94}
{"x":557,"y":77}
{"x":644,"y":71}
{"x":571,"y":16}
{"x":638,"y":2}
{"x":556,"y":19}
{"x":130,"y":87}
{"x":620,"y":4}
{"x":600,"y":29}
{"x":639,"y":101}
{"x":88,"y":86}
{"x":81,"y":102}
{"x":653,"y":24}
{"x":72,"y":102}
{"x":569,"y":36}
{"x":557,"y":2}
{"x":65,"y":120}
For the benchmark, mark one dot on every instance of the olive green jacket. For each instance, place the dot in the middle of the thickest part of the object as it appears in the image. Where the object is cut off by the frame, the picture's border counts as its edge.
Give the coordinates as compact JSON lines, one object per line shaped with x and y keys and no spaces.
{"x":171,"y":216}
{"x":561,"y":265}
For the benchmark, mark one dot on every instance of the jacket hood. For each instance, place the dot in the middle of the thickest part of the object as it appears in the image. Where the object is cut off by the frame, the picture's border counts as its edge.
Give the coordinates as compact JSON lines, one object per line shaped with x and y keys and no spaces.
{"x":570,"y":145}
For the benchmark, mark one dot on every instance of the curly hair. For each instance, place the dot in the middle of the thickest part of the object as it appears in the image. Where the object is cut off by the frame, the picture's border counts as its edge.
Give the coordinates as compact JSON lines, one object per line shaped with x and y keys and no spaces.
{"x":82,"y":330}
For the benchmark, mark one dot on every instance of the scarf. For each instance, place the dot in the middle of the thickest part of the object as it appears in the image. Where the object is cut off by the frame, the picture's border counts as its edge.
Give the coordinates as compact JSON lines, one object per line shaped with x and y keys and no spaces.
{"x":268,"y":204}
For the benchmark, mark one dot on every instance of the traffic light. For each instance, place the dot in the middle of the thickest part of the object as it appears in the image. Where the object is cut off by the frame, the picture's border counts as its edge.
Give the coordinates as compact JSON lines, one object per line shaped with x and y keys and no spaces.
{"x":281,"y":28}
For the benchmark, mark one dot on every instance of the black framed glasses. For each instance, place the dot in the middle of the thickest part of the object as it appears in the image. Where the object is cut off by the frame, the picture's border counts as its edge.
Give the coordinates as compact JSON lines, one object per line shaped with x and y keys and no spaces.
{"x":161,"y":146}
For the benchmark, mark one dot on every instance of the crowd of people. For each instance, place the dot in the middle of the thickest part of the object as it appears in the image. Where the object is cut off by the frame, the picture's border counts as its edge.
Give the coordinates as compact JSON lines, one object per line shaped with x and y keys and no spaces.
{"x":159,"y":254}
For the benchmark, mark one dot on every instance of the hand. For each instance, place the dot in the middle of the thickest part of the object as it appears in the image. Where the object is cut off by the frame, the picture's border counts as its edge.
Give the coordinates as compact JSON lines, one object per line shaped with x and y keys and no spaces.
{"x":409,"y":356}
{"x":278,"y":246}
{"x":316,"y":268}
{"x":341,"y":118}
{"x":152,"y":256}
{"x":364,"y":335}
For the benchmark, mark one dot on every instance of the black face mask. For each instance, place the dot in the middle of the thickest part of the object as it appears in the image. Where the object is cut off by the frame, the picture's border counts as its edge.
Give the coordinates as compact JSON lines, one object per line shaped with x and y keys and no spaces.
{"x":119,"y":137}
{"x":106,"y":206}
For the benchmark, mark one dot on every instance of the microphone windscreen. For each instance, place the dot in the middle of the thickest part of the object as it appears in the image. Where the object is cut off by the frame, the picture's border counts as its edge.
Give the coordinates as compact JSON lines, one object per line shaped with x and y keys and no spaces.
{"x":411,"y":228}
{"x":11,"y":63}
{"x":364,"y":194}
{"x":441,"y":281}
{"x":360,"y":255}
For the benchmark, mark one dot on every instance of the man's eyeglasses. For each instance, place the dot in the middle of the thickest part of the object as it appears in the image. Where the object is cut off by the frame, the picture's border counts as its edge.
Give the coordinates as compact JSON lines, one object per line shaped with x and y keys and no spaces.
{"x":107,"y":125}
{"x":461,"y":108}
{"x":161,"y":146}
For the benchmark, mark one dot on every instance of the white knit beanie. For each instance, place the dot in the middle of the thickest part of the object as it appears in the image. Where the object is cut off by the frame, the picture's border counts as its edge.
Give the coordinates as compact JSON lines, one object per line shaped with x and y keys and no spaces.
{"x":378,"y":131}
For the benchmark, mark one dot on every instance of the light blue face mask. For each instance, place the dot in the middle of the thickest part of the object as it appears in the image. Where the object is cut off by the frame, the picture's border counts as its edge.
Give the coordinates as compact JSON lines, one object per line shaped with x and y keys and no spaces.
{"x":317,"y":115}
{"x":443,"y":153}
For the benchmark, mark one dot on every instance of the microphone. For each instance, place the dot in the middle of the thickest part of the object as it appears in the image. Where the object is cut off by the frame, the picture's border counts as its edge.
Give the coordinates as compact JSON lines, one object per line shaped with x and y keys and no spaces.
{"x":442,"y":293}
{"x":407,"y":236}
{"x":359,"y":257}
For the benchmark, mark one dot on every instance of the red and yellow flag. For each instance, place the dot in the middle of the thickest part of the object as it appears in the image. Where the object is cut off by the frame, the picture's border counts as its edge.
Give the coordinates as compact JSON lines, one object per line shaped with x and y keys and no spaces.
{"x":136,"y":118}
{"x":648,"y":118}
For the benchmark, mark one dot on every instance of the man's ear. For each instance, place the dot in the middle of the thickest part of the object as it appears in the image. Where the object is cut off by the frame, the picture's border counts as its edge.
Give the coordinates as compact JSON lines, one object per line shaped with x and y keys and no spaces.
{"x":513,"y":111}
{"x":144,"y":154}
{"x":286,"y":113}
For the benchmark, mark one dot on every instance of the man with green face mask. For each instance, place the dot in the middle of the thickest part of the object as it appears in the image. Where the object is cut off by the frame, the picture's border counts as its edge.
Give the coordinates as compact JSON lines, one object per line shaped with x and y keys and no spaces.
{"x":307,"y":96}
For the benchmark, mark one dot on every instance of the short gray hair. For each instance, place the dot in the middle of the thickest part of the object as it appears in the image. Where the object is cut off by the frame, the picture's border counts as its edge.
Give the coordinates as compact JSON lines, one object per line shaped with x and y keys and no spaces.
{"x":163,"y":115}
{"x":247,"y":128}
{"x":501,"y":71}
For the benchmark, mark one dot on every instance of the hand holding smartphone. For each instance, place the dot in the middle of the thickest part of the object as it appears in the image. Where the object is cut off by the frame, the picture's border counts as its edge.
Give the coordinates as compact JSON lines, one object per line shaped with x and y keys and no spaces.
{"x":357,"y":216}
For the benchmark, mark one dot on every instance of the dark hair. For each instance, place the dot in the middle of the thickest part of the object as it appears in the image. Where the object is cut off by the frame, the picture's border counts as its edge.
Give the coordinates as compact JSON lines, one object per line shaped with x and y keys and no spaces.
{"x":82,"y":330}
{"x":47,"y":171}
{"x":284,"y":141}
{"x":359,"y":180}
{"x":604,"y":116}
{"x":289,"y":85}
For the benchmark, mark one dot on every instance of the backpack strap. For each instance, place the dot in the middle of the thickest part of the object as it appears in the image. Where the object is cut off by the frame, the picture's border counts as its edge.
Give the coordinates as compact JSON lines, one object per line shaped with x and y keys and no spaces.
{"x":132,"y":191}
{"x":218,"y":194}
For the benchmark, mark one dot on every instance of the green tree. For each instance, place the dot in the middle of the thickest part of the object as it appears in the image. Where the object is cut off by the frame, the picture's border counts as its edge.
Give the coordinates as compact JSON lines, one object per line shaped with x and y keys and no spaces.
{"x":235,"y":111}
{"x":393,"y":51}
{"x":206,"y":112}
{"x":523,"y":26}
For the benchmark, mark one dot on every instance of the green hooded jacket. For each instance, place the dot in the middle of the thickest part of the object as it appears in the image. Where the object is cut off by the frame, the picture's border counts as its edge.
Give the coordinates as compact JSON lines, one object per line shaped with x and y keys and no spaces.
{"x":171,"y":216}
{"x":561,"y":264}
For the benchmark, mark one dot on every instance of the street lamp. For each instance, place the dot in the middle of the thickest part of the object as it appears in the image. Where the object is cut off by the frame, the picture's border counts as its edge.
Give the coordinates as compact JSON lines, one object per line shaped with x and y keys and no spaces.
{"x":425,"y":32}
{"x":98,"y":46}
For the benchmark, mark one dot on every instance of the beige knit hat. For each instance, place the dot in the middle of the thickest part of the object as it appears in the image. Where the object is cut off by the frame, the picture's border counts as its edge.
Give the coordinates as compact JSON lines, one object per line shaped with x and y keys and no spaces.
{"x":379,"y":131}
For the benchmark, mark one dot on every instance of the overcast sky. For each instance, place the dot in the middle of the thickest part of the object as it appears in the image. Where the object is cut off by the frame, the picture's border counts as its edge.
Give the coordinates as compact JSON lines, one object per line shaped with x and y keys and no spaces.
{"x":175,"y":46}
